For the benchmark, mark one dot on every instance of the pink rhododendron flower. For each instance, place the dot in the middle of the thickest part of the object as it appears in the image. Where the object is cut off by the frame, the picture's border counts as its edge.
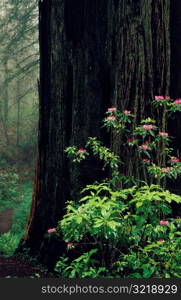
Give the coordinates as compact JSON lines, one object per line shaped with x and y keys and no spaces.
{"x":163,"y":134}
{"x":146,"y":160}
{"x":51,"y":230}
{"x":70,"y":245}
{"x":159,"y":98}
{"x":162,"y":240}
{"x":111,"y":118}
{"x":148,"y":127}
{"x":167,"y":97}
{"x":111,"y":109}
{"x":164,"y":223}
{"x":144,"y":147}
{"x":175,"y":159}
{"x":81,"y":150}
{"x":177,"y":101}
{"x":126,"y":112}
{"x":166,"y":170}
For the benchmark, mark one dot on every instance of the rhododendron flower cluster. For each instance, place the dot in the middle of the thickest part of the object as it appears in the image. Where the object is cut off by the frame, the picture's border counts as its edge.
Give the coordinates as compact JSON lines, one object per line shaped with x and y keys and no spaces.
{"x":148,"y":127}
{"x":111,"y":118}
{"x":162,"y":97}
{"x":177,"y":101}
{"x":70,"y":245}
{"x":164,"y":222}
{"x":144,"y":147}
{"x":146,"y":160}
{"x":126,"y":112}
{"x":175,"y":159}
{"x":51,"y":230}
{"x":165,"y":170}
{"x":112,"y":109}
{"x":159,"y":98}
{"x":81,"y":150}
{"x":165,"y":134}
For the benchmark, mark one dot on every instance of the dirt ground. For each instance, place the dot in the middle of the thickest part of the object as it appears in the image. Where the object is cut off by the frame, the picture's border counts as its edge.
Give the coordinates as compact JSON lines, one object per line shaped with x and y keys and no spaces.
{"x":13,"y":267}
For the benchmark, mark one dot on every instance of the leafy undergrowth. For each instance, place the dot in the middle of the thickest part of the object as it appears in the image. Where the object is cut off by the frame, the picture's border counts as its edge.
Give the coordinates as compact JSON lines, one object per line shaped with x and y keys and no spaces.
{"x":126,"y":233}
{"x":9,"y":241}
{"x":19,"y":199}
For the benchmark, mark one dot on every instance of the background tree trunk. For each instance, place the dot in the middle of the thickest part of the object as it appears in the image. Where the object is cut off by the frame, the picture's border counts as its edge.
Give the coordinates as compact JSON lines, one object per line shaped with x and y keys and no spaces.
{"x":175,"y":82}
{"x":94,"y":54}
{"x":18,"y":113}
{"x":5,"y":102}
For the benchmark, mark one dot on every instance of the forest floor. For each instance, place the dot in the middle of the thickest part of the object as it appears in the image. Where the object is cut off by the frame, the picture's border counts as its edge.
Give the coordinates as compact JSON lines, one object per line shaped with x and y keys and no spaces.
{"x":16,"y":268}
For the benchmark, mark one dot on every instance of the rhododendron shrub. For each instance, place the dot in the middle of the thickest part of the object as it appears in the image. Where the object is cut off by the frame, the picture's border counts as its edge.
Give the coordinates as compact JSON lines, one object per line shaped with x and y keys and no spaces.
{"x":155,"y":156}
{"x":124,"y":226}
{"x":121,"y":226}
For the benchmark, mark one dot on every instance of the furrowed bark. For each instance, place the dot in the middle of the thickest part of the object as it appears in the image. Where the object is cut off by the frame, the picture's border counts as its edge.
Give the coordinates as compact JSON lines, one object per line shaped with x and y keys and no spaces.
{"x":94,"y":54}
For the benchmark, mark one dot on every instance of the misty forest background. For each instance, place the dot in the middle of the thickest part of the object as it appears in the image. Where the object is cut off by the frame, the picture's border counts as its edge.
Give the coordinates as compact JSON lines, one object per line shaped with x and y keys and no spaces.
{"x":63,"y":64}
{"x":19,"y":73}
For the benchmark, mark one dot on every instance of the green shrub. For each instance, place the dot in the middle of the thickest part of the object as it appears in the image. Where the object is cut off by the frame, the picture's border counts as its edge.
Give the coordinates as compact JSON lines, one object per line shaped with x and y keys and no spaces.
{"x":132,"y":230}
{"x":124,"y":227}
{"x":10,"y":240}
{"x":8,"y":243}
{"x":8,"y":190}
{"x":161,"y":259}
{"x":21,"y":215}
{"x":81,"y":267}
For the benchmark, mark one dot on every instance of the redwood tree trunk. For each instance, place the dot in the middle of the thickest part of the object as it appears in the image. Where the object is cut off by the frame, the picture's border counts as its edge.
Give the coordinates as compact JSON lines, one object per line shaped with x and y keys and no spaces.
{"x":94,"y":53}
{"x":175,"y":89}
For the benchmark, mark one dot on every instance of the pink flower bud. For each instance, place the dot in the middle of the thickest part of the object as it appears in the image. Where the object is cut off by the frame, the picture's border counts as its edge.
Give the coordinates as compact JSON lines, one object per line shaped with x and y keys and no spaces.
{"x":144,"y":147}
{"x":70,"y":245}
{"x":162,"y":240}
{"x":51,"y":230}
{"x":159,"y":98}
{"x":112,"y":109}
{"x":177,"y":101}
{"x":164,"y":223}
{"x":81,"y":150}
{"x":165,"y":170}
{"x":148,"y":127}
{"x":126,"y":112}
{"x":111,"y":118}
{"x":175,"y":159}
{"x":146,"y":160}
{"x":163,"y":134}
